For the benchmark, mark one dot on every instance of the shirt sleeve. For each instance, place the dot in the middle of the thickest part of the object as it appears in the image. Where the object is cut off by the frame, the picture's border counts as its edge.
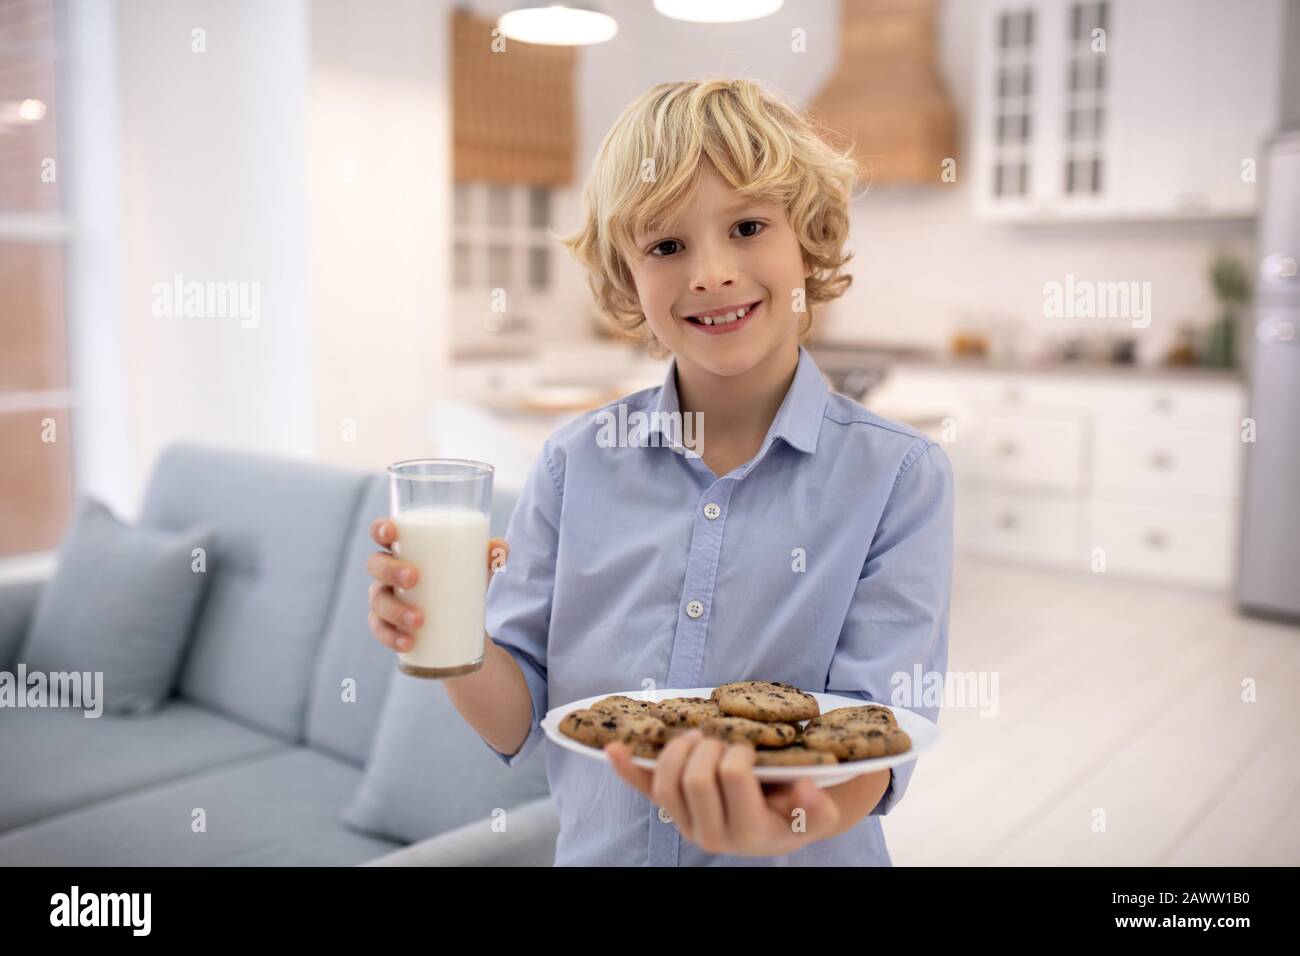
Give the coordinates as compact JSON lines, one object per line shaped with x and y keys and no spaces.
{"x":898,"y":620}
{"x":520,"y":593}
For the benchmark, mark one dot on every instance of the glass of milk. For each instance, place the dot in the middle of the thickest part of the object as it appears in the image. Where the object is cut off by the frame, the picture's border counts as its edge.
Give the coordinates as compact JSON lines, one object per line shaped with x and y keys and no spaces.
{"x":442,"y":507}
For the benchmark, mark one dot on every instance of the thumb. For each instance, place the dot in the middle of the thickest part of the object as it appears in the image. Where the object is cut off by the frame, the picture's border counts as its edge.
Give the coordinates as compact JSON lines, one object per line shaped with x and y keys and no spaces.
{"x":498,"y":551}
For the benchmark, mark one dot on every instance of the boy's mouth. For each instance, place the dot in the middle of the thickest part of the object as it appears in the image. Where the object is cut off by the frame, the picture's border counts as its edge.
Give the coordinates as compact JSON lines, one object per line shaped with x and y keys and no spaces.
{"x":721,"y":324}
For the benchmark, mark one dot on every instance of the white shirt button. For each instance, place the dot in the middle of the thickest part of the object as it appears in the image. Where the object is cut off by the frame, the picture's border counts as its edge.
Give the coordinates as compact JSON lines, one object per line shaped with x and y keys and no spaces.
{"x":711,"y":510}
{"x":664,"y":816}
{"x":695,"y":609}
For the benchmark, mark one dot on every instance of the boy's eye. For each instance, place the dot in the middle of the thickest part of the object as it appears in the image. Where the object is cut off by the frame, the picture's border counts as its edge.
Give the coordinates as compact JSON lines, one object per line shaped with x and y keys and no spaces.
{"x":746,"y":222}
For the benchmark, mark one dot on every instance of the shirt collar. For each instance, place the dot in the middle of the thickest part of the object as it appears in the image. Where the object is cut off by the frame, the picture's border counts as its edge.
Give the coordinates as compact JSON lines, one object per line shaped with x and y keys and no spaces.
{"x":798,"y":420}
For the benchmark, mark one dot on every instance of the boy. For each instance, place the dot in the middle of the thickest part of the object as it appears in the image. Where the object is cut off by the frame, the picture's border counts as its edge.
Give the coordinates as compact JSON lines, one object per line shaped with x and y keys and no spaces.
{"x":796,"y":537}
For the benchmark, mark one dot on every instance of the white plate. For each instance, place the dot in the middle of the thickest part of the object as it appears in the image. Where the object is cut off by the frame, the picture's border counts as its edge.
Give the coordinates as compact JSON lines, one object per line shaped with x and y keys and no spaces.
{"x":923,"y":733}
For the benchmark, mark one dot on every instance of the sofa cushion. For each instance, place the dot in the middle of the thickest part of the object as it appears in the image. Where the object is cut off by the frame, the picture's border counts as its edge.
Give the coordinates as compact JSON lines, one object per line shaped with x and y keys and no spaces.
{"x":281,"y":527}
{"x":121,"y":603}
{"x":54,"y":760}
{"x":354,"y":669}
{"x":528,"y":839}
{"x":276,"y":809}
{"x":429,"y":771}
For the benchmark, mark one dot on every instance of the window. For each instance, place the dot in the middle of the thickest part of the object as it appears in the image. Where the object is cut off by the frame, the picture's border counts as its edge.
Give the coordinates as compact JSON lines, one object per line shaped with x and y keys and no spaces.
{"x":36,"y":488}
{"x":500,"y":245}
{"x":513,"y":142}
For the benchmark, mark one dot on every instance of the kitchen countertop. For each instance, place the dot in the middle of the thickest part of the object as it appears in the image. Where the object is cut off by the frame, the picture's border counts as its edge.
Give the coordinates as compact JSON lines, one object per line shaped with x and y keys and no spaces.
{"x":839,"y":357}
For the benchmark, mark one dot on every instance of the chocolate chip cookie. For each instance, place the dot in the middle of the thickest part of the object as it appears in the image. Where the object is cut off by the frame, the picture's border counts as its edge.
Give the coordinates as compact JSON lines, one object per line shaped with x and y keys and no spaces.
{"x":766,"y":701}
{"x":793,"y":756}
{"x":857,"y":741}
{"x":685,"y":711}
{"x":873,"y":715}
{"x":618,"y":703}
{"x":644,"y":735}
{"x":743,"y":730}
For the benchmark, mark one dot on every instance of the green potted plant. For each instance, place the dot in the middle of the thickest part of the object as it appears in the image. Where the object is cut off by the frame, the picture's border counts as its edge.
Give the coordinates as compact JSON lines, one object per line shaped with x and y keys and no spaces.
{"x":1231,"y":284}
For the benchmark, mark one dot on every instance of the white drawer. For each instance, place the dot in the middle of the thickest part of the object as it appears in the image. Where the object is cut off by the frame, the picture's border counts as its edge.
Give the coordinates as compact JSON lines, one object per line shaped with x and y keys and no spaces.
{"x":1013,"y":395}
{"x":1198,"y":466}
{"x":1040,"y":453}
{"x":1170,"y":544}
{"x":1209,"y":406}
{"x":1026,"y":526}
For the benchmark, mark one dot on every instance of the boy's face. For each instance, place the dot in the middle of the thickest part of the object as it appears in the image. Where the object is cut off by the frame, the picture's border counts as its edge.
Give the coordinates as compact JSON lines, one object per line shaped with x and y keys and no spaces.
{"x":726,"y":251}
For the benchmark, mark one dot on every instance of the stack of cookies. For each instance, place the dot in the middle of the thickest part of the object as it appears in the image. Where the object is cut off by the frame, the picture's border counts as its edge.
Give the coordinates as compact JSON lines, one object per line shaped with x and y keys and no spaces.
{"x":783,"y":724}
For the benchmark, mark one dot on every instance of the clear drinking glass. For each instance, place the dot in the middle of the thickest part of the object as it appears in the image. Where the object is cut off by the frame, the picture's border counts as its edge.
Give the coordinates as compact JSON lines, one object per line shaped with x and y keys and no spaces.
{"x":442,"y":508}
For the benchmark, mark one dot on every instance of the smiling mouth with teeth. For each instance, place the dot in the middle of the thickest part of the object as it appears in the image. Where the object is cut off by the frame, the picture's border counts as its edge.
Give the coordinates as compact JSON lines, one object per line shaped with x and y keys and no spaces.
{"x":725,"y":319}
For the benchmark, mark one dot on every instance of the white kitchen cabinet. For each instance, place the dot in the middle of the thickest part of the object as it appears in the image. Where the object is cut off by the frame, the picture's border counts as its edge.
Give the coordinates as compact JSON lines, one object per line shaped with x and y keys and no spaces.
{"x":1097,"y":471}
{"x":1155,"y":125}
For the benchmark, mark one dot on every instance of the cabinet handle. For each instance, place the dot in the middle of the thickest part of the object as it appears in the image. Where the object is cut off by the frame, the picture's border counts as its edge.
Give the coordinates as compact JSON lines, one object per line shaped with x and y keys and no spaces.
{"x":1162,"y":460}
{"x":1164,"y":403}
{"x":1011,"y":396}
{"x":1272,"y":329}
{"x":1007,"y":449}
{"x":1008,"y":520}
{"x":1157,"y":539}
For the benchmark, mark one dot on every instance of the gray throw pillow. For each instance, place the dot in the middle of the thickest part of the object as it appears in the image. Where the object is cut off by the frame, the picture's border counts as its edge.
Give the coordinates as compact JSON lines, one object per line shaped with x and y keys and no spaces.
{"x":122,"y":601}
{"x":430,"y":771}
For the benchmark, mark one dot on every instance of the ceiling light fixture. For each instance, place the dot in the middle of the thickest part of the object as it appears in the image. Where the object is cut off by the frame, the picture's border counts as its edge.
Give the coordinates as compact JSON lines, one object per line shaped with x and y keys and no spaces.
{"x":574,"y":24}
{"x":717,"y":11}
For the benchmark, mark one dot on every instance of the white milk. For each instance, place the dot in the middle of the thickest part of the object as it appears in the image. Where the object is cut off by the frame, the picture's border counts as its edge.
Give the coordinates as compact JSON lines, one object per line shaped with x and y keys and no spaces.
{"x":450,"y":550}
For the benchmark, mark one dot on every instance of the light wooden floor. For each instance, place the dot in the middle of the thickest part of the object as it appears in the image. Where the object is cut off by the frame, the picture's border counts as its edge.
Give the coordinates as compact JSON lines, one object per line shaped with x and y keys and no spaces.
{"x":1114,"y":695}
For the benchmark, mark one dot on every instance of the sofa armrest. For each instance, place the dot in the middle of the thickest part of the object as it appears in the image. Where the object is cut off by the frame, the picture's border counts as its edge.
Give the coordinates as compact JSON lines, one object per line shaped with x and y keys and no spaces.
{"x":527,"y":840}
{"x":17,"y":603}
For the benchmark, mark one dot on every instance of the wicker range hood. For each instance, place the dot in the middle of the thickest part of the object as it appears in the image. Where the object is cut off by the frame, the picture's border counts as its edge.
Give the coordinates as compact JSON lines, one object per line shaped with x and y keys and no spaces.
{"x":887,"y":94}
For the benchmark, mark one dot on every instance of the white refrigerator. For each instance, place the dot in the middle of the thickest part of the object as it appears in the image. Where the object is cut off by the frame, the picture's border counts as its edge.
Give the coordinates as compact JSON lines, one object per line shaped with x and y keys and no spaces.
{"x":1268,"y":582}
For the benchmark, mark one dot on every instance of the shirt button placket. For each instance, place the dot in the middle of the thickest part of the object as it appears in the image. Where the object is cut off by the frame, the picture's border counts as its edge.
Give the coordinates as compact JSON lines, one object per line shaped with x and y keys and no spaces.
{"x":701,"y":570}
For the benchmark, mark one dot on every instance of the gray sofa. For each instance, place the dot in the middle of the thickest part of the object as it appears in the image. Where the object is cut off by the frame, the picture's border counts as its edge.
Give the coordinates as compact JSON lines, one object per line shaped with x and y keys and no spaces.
{"x":254,"y":733}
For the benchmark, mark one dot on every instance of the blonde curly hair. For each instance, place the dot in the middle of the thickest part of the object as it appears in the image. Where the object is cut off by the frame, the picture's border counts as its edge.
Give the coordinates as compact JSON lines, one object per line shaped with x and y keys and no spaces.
{"x":651,"y":159}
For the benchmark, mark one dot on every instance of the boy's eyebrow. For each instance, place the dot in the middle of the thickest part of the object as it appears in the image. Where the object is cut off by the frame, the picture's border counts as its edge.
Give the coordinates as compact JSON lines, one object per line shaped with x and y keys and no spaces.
{"x":728,"y":211}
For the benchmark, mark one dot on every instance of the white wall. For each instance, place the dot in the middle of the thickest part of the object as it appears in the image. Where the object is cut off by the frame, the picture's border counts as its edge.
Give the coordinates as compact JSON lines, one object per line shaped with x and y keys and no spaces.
{"x":379,"y":186}
{"x":212,"y":188}
{"x":96,"y":344}
{"x":306,"y":150}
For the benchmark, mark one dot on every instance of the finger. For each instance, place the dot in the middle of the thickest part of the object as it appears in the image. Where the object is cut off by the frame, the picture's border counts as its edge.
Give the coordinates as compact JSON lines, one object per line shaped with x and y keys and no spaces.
{"x":742,"y":794}
{"x":636,"y":777}
{"x":383,"y":532}
{"x":701,"y":792}
{"x":392,"y":571}
{"x":498,"y":552}
{"x":666,"y":789}
{"x":388,"y":635}
{"x":398,"y":613}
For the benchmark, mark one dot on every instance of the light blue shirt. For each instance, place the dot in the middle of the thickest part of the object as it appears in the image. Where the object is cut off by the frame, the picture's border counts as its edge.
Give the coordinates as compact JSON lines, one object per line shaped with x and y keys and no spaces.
{"x":825,"y":562}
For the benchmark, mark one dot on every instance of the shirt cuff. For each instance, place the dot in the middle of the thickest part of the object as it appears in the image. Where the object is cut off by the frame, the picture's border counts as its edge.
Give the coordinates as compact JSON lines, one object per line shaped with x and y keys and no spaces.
{"x":899,"y":777}
{"x":537,"y":693}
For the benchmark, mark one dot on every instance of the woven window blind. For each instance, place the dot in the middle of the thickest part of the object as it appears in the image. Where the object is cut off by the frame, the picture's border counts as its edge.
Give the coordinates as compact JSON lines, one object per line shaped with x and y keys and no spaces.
{"x":512,"y":111}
